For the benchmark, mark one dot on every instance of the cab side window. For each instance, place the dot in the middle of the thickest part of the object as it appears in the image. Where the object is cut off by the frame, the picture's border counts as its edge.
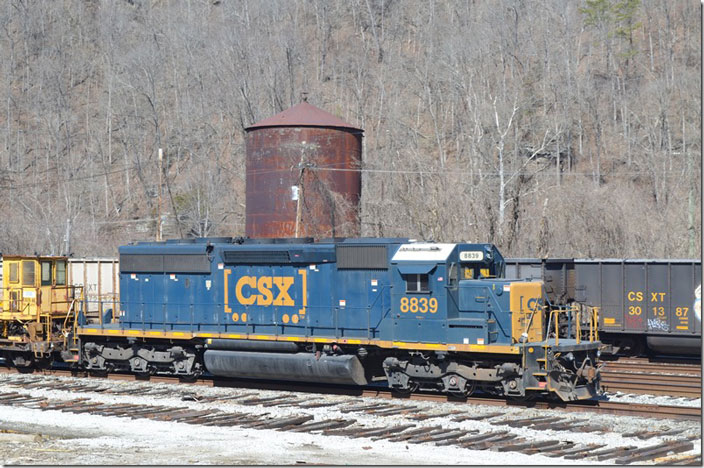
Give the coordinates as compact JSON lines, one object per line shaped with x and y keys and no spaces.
{"x":14,"y":272}
{"x":61,"y":273}
{"x":452,"y":275}
{"x":46,"y":273}
{"x":28,"y":273}
{"x":416,"y":283}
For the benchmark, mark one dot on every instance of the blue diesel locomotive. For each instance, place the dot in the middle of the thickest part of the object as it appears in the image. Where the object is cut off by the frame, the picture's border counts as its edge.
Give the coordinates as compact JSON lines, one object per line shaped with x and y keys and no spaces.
{"x":351,"y":311}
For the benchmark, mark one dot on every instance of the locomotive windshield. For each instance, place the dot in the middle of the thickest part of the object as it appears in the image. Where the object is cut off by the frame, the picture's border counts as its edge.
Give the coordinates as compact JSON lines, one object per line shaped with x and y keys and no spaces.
{"x":484,"y":261}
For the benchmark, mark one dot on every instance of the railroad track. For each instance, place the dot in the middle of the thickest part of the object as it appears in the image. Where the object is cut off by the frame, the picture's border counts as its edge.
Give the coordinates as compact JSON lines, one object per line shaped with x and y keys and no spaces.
{"x":349,"y":417}
{"x":597,"y":406}
{"x":654,"y":378}
{"x":645,"y":365}
{"x":592,"y":406}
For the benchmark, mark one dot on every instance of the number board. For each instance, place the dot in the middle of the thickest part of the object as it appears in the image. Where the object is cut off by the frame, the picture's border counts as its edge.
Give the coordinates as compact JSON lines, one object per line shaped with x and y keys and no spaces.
{"x":472,"y":256}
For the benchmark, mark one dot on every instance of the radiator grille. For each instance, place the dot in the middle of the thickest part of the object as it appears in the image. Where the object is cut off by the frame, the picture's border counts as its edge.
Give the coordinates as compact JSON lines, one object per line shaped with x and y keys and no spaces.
{"x":249,"y":257}
{"x":362,"y":257}
{"x":187,"y":263}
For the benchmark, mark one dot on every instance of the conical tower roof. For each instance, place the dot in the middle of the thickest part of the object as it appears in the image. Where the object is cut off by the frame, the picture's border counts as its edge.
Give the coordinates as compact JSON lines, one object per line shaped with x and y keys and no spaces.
{"x":303,"y":115}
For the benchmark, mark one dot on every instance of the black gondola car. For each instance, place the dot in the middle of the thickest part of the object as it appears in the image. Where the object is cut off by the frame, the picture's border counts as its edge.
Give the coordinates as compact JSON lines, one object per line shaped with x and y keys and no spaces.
{"x":644,"y":305}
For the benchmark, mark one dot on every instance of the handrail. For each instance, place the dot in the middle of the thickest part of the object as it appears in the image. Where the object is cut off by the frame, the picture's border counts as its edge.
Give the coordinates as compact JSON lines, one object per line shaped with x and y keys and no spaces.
{"x":594,"y":324}
{"x":189,"y":319}
{"x":184,"y":315}
{"x":576,"y":313}
{"x":557,"y":327}
{"x":530,"y":320}
{"x":20,"y":303}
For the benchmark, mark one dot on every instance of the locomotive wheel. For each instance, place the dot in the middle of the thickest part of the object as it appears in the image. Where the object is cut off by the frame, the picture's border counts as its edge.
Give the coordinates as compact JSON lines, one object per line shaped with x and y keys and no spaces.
{"x":468,"y":390}
{"x":522,"y":398}
{"x":412,"y":387}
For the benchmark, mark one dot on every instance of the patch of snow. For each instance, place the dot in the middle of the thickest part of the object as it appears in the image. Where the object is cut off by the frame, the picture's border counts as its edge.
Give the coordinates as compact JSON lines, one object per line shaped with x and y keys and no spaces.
{"x":92,"y":439}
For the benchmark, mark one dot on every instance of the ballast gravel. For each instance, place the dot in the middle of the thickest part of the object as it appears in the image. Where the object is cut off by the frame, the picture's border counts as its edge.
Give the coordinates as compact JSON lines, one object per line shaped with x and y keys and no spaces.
{"x":33,"y":436}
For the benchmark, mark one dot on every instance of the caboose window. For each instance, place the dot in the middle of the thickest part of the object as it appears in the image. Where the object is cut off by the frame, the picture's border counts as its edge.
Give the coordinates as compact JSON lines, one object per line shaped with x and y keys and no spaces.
{"x":28,"y":273}
{"x":46,"y":273}
{"x":416,"y":283}
{"x":60,"y":273}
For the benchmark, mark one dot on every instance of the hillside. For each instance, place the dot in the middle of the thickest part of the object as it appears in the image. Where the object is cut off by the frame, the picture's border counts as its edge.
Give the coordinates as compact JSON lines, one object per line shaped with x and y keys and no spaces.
{"x":550,"y":128}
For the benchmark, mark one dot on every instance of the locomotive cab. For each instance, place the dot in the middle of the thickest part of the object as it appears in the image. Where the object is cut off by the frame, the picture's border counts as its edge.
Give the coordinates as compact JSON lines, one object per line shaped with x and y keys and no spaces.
{"x":34,"y":286}
{"x":480,"y":262}
{"x":38,"y":309}
{"x":497,"y":330}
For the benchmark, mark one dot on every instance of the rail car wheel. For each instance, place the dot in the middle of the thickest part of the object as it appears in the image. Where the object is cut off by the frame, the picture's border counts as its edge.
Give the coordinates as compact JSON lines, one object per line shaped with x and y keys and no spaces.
{"x":43,"y":364}
{"x":630,"y":346}
{"x":23,"y":362}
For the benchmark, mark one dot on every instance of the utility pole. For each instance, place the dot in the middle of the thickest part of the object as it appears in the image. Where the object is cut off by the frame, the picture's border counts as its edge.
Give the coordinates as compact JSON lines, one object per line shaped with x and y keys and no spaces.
{"x":158,"y":213}
{"x":299,"y":207}
{"x":300,"y":188}
{"x":690,"y":198}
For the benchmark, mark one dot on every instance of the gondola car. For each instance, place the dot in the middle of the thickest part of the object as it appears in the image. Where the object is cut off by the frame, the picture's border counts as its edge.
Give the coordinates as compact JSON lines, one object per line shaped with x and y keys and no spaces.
{"x":644,"y":306}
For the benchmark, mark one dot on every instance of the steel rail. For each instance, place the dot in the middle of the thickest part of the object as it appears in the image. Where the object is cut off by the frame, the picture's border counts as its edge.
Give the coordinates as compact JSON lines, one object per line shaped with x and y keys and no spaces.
{"x":590,"y":406}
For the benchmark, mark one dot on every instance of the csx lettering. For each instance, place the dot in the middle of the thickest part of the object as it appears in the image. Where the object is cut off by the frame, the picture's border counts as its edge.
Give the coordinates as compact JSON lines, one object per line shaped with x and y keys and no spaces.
{"x":264,"y":286}
{"x":635,"y":296}
{"x":654,"y":297}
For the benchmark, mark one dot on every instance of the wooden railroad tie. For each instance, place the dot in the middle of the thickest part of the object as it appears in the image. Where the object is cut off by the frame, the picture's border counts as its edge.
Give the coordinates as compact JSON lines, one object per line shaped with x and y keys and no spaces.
{"x":321,"y":425}
{"x":648,"y":453}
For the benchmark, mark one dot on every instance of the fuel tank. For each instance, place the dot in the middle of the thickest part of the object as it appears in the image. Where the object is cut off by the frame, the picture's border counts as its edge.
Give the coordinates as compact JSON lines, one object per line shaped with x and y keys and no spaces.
{"x":300,"y":367}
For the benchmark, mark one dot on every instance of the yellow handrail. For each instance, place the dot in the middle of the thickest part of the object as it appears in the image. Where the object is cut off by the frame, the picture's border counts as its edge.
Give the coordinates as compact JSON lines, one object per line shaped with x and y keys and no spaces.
{"x":595,"y":323}
{"x":557,"y":327}
{"x":530,"y":320}
{"x":72,"y":309}
{"x":577,"y":314}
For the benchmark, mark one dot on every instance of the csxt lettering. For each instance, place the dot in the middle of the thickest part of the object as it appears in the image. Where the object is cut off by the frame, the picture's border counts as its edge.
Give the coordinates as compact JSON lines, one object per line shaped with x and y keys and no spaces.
{"x":264,"y":291}
{"x":635,"y":296}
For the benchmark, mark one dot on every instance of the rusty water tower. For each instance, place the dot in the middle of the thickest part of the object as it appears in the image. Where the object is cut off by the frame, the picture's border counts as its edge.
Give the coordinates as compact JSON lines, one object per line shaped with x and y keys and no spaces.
{"x":303,"y":176}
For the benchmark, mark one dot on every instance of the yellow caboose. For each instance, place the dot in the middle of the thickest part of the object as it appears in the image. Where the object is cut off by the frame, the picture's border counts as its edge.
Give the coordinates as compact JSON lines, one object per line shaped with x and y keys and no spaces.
{"x":38,"y":312}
